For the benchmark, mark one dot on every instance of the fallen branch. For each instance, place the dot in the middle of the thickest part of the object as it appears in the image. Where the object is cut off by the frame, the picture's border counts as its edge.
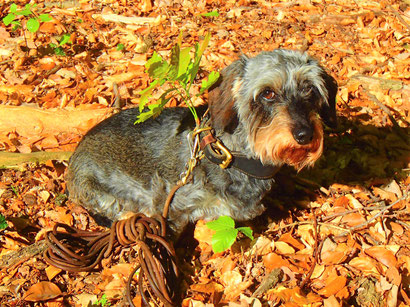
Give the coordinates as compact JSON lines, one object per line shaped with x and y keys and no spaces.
{"x":269,"y":282}
{"x":17,"y":160}
{"x":30,"y":121}
{"x":11,"y":259}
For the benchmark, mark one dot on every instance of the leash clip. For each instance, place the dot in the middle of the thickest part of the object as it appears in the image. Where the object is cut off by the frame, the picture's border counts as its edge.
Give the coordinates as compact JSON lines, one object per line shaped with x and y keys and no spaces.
{"x":226,"y":153}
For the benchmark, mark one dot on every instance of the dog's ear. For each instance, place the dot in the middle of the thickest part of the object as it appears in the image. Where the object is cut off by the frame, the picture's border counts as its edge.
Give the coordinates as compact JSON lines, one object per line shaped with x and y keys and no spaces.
{"x":221,"y":97}
{"x":328,"y":110}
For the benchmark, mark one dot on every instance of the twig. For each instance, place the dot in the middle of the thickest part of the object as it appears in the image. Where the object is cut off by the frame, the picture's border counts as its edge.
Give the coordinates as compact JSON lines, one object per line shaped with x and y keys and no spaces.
{"x":310,"y":223}
{"x":315,"y":253}
{"x":334,"y":215}
{"x":352,"y":229}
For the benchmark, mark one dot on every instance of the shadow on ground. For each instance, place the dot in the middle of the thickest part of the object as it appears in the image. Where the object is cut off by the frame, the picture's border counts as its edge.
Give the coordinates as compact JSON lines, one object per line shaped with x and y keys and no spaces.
{"x":354,"y":155}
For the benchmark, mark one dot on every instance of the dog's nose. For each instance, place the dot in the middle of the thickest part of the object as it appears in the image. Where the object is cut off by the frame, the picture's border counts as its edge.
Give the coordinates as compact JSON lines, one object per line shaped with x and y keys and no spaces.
{"x":303,"y":135}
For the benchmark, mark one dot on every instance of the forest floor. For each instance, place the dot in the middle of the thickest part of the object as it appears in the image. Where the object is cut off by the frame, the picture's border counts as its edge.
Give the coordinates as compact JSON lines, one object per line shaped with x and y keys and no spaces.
{"x":335,"y":235}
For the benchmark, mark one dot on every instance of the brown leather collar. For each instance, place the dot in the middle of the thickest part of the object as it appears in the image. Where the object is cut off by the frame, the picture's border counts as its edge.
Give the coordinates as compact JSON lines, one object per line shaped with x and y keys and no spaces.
{"x":211,"y":147}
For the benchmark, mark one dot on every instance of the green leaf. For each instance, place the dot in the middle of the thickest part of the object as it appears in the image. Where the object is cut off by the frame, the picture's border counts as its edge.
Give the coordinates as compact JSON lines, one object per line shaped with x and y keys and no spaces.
{"x":156,"y":58}
{"x":3,"y":222}
{"x":13,"y":8}
{"x":222,"y":240}
{"x":154,"y":111}
{"x":246,"y":231}
{"x":156,"y":66}
{"x":16,"y":24}
{"x":146,"y":93}
{"x":120,"y":47}
{"x":33,"y":25}
{"x":202,"y":48}
{"x":8,"y":19}
{"x":222,"y":223}
{"x":59,"y":51}
{"x":45,"y":18}
{"x":184,"y":61}
{"x":211,"y":14}
{"x":206,"y":84}
{"x":27,"y":11}
{"x":199,"y":50}
{"x":173,"y":63}
{"x":65,"y":39}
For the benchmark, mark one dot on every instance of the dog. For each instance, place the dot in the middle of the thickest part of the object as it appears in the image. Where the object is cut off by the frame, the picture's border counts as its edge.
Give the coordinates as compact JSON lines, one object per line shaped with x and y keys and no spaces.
{"x":264,"y":111}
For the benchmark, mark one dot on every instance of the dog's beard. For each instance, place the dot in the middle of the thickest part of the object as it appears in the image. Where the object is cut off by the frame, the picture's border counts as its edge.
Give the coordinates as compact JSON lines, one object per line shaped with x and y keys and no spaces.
{"x":275,"y":144}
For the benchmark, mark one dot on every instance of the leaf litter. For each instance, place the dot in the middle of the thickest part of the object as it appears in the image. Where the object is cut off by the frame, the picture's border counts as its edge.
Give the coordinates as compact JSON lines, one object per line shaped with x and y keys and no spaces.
{"x":340,"y":229}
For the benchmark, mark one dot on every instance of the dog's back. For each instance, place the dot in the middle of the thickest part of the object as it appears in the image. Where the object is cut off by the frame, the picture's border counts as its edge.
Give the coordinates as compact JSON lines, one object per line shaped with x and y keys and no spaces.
{"x":119,"y":165}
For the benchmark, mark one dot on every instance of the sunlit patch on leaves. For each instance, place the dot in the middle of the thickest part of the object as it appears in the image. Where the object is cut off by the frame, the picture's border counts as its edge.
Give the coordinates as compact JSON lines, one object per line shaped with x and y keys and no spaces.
{"x":226,"y":233}
{"x":180,"y":73}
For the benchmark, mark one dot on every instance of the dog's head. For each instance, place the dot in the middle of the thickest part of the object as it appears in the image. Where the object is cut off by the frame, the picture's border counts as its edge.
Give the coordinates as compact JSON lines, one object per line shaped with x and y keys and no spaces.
{"x":280,"y":100}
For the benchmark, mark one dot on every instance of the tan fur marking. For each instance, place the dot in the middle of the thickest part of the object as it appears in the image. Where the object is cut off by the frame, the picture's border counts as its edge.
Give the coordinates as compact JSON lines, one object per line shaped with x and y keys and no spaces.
{"x":236,"y":87}
{"x":275,"y":143}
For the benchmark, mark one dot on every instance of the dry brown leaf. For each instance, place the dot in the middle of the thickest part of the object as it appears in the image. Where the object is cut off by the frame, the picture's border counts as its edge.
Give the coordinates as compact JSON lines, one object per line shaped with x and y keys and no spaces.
{"x":331,"y":302}
{"x":284,"y":248}
{"x":333,"y":286}
{"x":262,"y":246}
{"x":42,"y":291}
{"x":52,"y":272}
{"x":394,"y":276}
{"x":382,"y":255}
{"x":230,"y":278}
{"x":385,"y":195}
{"x":365,"y":264}
{"x":287,"y":237}
{"x":273,"y":261}
{"x":203,"y":234}
{"x":210,"y":287}
{"x":318,"y":271}
{"x":353,"y":202}
{"x":85,"y":299}
{"x":353,"y":219}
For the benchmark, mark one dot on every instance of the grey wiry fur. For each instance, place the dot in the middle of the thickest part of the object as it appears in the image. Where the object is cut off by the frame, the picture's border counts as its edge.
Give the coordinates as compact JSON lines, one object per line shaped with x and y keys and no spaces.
{"x":120,"y":167}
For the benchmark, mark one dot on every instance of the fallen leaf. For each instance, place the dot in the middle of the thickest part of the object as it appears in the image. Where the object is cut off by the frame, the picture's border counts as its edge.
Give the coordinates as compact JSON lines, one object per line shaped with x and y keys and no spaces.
{"x":273,"y":261}
{"x":353,"y":219}
{"x":382,"y":255}
{"x":262,"y":246}
{"x":365,"y":265}
{"x":284,"y":248}
{"x":333,"y":286}
{"x":287,"y":237}
{"x":231,"y":278}
{"x":42,"y":291}
{"x":52,"y":272}
{"x":354,"y":203}
{"x":385,"y":195}
{"x":210,"y":287}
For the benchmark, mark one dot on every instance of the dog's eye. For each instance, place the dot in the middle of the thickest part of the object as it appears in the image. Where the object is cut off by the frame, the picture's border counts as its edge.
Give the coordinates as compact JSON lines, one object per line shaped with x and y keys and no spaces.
{"x":267,"y":95}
